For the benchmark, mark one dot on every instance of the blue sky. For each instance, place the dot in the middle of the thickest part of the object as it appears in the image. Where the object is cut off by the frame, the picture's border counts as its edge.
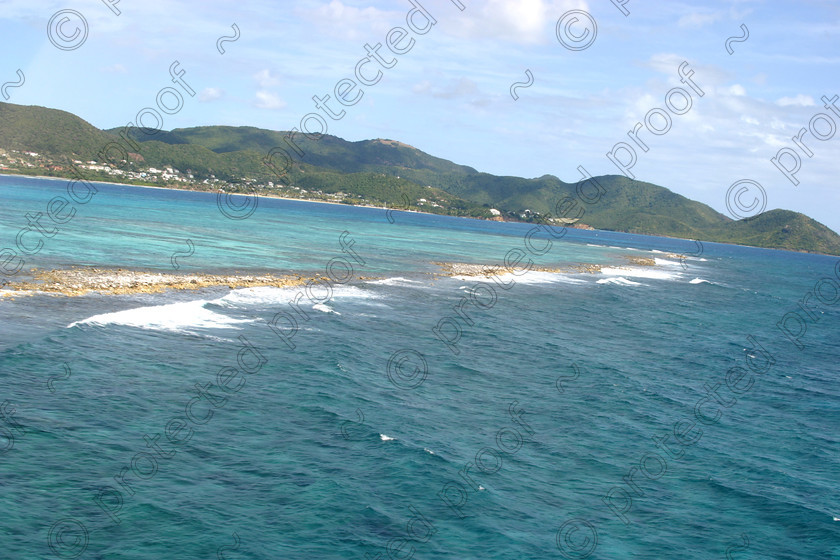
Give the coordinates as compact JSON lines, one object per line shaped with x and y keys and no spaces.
{"x":449,"y":95}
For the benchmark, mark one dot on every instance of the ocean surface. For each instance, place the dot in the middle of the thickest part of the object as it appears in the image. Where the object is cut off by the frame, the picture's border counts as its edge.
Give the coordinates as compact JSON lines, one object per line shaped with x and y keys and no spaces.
{"x":689,"y":410}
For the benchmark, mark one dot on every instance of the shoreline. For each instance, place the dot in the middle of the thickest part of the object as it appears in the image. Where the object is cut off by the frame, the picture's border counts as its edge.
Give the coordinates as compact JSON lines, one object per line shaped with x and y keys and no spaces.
{"x":802,"y":252}
{"x":237,"y":194}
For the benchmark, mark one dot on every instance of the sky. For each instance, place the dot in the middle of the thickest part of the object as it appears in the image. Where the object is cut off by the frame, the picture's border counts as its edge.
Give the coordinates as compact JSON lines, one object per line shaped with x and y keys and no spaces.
{"x":711,"y":92}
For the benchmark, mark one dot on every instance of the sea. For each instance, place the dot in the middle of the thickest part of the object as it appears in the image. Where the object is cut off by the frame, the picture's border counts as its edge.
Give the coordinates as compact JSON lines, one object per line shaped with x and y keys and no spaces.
{"x":385,"y":410}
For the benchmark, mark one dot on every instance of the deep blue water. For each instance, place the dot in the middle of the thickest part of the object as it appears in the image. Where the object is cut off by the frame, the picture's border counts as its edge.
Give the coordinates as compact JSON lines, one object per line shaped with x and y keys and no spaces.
{"x":351,"y":430}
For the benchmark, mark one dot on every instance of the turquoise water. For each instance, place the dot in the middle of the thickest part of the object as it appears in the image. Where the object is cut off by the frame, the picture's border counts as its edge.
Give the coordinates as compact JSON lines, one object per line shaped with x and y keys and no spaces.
{"x":348,"y":428}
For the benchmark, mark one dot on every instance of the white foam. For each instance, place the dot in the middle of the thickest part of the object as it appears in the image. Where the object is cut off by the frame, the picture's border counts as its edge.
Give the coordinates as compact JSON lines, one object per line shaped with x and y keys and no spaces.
{"x":666,"y":262}
{"x":395,"y":281}
{"x":11,"y":293}
{"x":349,"y":292}
{"x":270,"y":296}
{"x":639,"y":272}
{"x":699,"y":281}
{"x":176,"y":317}
{"x":324,"y":308}
{"x":531,"y":277}
{"x":429,"y":451}
{"x":383,"y":437}
{"x":262,"y":295}
{"x":619,"y":281}
{"x":539,"y":277}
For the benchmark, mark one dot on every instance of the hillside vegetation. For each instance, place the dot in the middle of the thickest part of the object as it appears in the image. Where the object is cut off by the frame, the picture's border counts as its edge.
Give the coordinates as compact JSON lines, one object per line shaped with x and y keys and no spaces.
{"x":390,"y":172}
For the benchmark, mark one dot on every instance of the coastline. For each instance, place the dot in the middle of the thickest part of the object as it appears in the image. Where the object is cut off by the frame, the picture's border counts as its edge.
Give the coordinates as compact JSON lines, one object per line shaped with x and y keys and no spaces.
{"x":236,"y":194}
{"x":805,"y":252}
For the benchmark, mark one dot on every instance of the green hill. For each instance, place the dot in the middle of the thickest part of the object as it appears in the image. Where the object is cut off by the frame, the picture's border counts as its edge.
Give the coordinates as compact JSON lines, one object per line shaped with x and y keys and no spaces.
{"x":49,"y":131}
{"x":781,"y":229}
{"x":390,"y":172}
{"x":329,"y":152}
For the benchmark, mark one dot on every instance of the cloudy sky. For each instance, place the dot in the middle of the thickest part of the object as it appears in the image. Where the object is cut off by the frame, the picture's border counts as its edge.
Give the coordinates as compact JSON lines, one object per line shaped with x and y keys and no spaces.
{"x":598,"y":68}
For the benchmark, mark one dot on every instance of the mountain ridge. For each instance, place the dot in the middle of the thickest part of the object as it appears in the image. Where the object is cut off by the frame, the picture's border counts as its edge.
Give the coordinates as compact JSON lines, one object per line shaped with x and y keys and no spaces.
{"x":382,"y":171}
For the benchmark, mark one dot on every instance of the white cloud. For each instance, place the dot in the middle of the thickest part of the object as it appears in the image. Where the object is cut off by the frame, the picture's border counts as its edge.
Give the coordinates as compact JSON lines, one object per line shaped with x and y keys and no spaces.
{"x":266,"y":79}
{"x":350,"y":22}
{"x":697,"y":19}
{"x":464,"y":87}
{"x":666,"y":63}
{"x":799,"y":101}
{"x":518,"y":21}
{"x":736,"y":90}
{"x":268,"y":100}
{"x":704,"y":74}
{"x":773,"y":141}
{"x":423,"y":87}
{"x":210,"y":94}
